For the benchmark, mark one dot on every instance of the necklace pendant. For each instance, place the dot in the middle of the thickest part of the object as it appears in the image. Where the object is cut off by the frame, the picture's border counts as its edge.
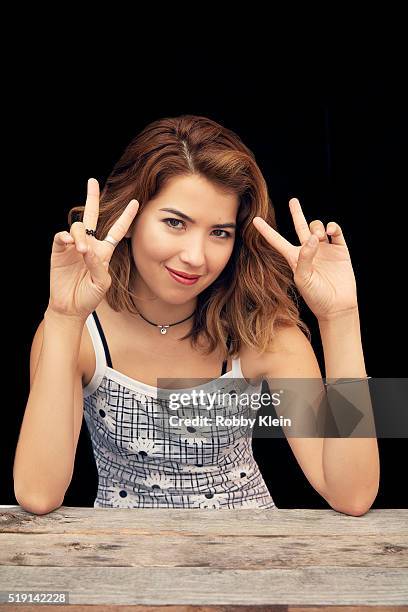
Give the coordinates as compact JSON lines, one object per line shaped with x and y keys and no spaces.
{"x":163,"y":329}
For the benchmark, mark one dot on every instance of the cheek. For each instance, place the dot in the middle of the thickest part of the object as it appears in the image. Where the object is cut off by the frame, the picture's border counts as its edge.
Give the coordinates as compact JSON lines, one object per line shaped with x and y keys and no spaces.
{"x":218,"y":260}
{"x":148,"y":242}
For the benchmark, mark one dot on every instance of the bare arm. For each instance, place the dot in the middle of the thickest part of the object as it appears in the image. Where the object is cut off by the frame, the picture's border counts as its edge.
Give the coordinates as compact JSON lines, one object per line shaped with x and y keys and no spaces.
{"x":345,"y":477}
{"x":45,"y":454}
{"x":79,"y":278}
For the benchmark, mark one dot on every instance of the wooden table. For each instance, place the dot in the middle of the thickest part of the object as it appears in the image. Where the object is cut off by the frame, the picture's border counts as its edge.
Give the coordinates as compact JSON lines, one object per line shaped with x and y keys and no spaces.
{"x":140,"y":559}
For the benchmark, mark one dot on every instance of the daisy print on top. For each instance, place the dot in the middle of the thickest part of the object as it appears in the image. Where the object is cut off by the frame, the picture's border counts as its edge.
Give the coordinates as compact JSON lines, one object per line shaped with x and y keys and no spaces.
{"x":142,"y":462}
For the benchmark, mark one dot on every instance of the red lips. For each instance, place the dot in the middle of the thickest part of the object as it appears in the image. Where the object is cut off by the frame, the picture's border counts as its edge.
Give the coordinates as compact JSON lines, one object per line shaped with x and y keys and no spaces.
{"x":183,"y":274}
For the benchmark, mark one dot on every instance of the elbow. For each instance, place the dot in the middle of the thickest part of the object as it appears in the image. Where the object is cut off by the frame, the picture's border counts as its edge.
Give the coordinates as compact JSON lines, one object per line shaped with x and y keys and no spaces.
{"x":35,"y":505}
{"x":358,"y":508}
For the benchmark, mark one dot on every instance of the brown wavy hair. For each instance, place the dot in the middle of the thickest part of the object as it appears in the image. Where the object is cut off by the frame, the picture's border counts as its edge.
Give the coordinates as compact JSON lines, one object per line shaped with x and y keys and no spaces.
{"x":255,"y":293}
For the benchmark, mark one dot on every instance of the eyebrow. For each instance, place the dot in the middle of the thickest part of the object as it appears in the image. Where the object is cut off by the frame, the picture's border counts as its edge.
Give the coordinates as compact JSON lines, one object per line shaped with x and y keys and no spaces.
{"x":187,"y":218}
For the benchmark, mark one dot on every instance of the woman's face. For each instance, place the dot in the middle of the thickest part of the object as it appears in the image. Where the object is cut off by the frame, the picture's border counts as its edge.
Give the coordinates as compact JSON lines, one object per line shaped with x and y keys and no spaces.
{"x":193,"y":246}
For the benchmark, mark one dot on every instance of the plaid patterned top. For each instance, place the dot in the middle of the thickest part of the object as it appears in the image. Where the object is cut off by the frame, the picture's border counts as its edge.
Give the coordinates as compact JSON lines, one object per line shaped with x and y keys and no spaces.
{"x":143,"y":462}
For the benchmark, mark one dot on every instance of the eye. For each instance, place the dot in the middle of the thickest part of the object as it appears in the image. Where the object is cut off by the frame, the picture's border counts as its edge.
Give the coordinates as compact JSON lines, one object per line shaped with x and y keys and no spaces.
{"x":227,"y":234}
{"x":172,"y":219}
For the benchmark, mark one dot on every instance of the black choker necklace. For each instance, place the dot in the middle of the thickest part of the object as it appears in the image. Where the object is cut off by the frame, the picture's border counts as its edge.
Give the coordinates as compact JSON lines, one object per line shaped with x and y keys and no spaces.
{"x":163,"y":328}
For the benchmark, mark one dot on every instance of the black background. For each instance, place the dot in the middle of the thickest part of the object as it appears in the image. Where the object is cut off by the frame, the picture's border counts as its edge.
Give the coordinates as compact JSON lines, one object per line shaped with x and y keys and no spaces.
{"x":331,"y":137}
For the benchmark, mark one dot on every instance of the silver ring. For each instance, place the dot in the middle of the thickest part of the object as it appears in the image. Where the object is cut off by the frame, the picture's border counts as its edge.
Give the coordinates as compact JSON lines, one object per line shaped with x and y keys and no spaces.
{"x":111,"y":239}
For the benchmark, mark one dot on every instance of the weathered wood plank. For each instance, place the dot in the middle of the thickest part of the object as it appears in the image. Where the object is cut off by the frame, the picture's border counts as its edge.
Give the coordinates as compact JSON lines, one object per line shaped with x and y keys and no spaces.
{"x":227,"y":552}
{"x":144,"y":559}
{"x":206,"y":586}
{"x":226,"y":608}
{"x":254,"y":522}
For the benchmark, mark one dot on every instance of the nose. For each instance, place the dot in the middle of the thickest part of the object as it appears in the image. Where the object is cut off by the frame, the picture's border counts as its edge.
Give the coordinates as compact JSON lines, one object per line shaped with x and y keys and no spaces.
{"x":193,"y":254}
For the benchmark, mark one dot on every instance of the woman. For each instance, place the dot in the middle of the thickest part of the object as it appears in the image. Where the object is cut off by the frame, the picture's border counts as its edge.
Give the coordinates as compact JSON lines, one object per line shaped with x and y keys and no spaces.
{"x":190,"y":274}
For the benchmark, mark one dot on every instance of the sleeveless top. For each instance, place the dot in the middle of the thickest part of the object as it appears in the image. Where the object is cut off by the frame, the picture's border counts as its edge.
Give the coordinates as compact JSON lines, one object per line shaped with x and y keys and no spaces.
{"x":143,"y":462}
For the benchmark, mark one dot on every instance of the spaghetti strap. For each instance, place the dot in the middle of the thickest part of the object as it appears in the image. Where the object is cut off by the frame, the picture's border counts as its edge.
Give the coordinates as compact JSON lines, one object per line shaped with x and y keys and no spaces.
{"x":101,"y":353}
{"x":224,"y":365}
{"x":102,"y":336}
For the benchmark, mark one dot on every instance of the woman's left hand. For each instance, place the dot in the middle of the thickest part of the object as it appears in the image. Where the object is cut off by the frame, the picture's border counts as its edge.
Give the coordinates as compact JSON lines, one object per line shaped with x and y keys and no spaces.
{"x":322,"y":271}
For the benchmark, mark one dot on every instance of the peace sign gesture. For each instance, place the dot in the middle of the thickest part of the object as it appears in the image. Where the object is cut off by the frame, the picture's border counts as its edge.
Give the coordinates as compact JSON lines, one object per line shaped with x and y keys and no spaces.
{"x":322,"y":270}
{"x":79,"y":275}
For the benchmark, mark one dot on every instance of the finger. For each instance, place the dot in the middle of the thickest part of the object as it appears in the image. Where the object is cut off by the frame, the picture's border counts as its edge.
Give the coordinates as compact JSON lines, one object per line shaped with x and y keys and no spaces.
{"x":304,"y":266}
{"x":91,"y":211}
{"x":61,"y":240}
{"x":97,"y":270}
{"x":77,"y":231}
{"x":334,"y":231}
{"x":273,"y":237}
{"x":300,"y":223}
{"x":317,"y":227}
{"x":121,"y":226}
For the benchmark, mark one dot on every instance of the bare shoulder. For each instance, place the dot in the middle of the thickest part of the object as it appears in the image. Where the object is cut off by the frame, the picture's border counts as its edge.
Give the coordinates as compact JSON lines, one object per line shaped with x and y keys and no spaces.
{"x":289,"y":353}
{"x":288,"y":339}
{"x":86,"y":357}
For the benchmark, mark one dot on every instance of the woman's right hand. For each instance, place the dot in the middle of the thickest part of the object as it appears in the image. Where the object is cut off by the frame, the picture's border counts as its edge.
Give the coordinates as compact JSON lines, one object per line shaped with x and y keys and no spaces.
{"x":79,"y":275}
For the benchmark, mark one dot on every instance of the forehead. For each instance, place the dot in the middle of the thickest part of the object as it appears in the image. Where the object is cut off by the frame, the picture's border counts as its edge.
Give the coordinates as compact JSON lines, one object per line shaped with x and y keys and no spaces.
{"x":196,"y":196}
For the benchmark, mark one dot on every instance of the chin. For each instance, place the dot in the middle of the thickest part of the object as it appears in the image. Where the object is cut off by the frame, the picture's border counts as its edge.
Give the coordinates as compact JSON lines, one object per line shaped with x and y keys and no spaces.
{"x":176,"y":300}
